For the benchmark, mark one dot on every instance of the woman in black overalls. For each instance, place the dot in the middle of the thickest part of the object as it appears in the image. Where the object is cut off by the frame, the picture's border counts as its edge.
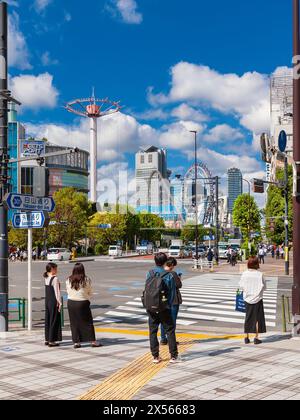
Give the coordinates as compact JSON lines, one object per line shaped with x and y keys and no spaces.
{"x":53,"y":306}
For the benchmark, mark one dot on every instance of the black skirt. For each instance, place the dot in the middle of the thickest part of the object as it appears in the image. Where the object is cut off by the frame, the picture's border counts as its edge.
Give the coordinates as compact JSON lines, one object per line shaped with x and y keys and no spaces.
{"x":255,"y":314}
{"x":81,"y":321}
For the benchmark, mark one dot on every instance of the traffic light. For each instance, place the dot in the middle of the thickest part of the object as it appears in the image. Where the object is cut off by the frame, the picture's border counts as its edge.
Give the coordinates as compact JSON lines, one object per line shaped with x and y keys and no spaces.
{"x":258,"y":186}
{"x":40,"y":181}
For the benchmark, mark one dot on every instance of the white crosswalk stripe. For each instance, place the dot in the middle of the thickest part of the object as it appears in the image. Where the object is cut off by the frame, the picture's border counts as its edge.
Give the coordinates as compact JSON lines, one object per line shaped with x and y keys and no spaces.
{"x":205,"y":298}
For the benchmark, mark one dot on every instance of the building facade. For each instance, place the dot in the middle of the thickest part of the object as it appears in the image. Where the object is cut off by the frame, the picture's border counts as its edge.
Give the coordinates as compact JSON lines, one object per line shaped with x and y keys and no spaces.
{"x":235,"y":187}
{"x":16,"y":134}
{"x":152,"y":181}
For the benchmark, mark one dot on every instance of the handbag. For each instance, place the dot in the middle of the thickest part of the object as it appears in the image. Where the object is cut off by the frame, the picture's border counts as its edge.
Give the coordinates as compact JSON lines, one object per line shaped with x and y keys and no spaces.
{"x":240,"y":305}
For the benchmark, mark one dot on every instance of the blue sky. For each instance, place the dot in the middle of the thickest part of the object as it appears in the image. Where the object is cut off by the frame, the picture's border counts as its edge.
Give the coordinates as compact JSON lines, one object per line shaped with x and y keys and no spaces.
{"x":175,"y":65}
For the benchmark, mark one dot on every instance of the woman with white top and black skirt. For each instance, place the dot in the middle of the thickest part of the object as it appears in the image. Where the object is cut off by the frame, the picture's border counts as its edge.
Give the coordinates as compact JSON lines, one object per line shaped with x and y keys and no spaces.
{"x":80,"y":292}
{"x":53,"y":332}
{"x":253,"y":285}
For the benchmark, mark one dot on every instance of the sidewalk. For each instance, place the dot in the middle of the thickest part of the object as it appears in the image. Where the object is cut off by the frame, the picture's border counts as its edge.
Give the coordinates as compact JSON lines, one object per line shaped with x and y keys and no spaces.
{"x":213,"y":367}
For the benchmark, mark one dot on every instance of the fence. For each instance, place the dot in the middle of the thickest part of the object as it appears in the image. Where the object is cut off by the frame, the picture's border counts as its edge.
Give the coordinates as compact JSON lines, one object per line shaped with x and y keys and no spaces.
{"x":20,"y":304}
{"x":202,"y":264}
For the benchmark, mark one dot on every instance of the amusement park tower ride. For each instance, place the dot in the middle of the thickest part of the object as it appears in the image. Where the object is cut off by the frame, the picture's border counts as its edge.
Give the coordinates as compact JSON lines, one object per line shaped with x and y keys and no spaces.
{"x":93,"y":108}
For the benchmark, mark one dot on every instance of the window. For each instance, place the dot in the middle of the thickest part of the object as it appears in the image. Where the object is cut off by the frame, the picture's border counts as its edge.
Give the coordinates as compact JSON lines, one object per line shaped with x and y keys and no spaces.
{"x":142,"y":159}
{"x":150,"y":159}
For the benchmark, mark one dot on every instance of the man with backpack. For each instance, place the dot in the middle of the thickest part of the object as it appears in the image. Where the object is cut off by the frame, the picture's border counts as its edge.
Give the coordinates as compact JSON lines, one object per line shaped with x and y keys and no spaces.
{"x":158,"y":298}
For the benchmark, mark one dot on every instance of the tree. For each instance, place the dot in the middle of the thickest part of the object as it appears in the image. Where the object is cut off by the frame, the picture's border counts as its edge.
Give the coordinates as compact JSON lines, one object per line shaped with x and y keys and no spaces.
{"x":188,"y":233}
{"x":71,"y":217}
{"x":275,"y":208}
{"x":246,"y":215}
{"x":152,"y":223}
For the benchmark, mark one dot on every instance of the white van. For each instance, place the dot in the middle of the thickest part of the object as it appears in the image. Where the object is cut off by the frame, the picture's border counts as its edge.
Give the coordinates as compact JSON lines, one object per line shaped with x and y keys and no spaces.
{"x":115,"y":251}
{"x":59,"y":254}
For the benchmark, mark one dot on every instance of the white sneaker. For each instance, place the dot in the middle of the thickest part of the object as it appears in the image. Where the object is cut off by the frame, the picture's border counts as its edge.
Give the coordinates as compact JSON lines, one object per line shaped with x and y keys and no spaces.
{"x":156,"y":360}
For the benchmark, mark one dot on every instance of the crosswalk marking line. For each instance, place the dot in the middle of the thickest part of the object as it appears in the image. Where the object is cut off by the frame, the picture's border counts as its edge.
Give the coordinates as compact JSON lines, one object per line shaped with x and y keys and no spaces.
{"x":126,"y":315}
{"x":270,"y":300}
{"x":218,"y":289}
{"x":234,"y":290}
{"x":197,"y":310}
{"x":219,"y":319}
{"x":197,"y":304}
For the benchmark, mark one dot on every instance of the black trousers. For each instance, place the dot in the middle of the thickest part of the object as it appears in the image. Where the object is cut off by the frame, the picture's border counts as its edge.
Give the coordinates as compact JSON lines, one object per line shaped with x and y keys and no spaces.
{"x":164,"y":318}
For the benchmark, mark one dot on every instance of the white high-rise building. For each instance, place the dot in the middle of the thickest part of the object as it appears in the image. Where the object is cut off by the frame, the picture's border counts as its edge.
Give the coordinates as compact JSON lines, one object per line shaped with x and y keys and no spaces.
{"x":152,"y":181}
{"x":282,"y":105}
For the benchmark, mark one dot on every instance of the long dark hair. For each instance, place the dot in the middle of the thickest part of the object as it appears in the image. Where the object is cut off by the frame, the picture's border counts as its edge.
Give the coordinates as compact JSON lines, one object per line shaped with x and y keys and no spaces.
{"x":49,"y":267}
{"x":78,"y":279}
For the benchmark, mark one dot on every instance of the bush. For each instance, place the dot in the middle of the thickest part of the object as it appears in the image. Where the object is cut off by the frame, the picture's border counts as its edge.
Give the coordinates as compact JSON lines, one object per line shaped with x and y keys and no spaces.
{"x":100,"y":249}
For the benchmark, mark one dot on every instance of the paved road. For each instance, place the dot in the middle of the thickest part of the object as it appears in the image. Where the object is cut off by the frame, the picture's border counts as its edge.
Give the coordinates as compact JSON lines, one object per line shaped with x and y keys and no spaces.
{"x":208,"y":298}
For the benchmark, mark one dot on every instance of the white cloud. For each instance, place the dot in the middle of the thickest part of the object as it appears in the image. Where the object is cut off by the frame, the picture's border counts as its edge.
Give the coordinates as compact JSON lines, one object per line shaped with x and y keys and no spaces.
{"x":41,"y":5}
{"x":245,"y":96}
{"x":47,"y":60}
{"x":35,"y":92}
{"x":18,"y":55}
{"x":127,"y":9}
{"x":186,"y":113}
{"x":118,"y":134}
{"x":222,"y":133}
{"x":177,"y":135}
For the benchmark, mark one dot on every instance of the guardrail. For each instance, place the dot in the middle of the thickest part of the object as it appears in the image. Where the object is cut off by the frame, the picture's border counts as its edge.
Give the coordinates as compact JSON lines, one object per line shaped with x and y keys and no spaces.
{"x":20,"y":304}
{"x":202,"y":264}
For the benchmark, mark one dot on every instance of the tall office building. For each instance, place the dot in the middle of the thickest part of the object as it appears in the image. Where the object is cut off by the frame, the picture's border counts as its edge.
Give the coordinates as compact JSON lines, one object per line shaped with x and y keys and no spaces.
{"x":282,"y":105}
{"x":235,"y":187}
{"x":16,"y":134}
{"x":152,"y":181}
{"x":177,"y":191}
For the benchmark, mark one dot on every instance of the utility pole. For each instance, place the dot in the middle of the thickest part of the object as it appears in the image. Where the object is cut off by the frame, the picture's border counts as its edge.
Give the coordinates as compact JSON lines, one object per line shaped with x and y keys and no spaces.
{"x":296,"y":151}
{"x":3,"y":170}
{"x":196,"y":201}
{"x":217,"y":220}
{"x":286,"y":216}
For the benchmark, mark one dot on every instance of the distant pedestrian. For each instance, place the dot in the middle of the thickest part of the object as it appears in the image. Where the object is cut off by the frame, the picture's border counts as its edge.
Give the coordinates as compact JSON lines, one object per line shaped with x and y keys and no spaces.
{"x":273,"y":252}
{"x":158,"y":297}
{"x":281,"y":252}
{"x":79,"y":289}
{"x":253,"y":286}
{"x":169,"y":267}
{"x":261,"y":255}
{"x":53,"y":332}
{"x":34,"y":255}
{"x":210,"y":256}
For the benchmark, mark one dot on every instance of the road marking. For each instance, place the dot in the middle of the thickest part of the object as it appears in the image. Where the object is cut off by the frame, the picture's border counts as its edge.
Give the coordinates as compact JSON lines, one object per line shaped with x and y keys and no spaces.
{"x":124,"y":296}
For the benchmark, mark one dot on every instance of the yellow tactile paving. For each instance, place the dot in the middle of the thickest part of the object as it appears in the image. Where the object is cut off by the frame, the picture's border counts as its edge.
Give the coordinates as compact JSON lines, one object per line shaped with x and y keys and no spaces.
{"x":127,"y":382}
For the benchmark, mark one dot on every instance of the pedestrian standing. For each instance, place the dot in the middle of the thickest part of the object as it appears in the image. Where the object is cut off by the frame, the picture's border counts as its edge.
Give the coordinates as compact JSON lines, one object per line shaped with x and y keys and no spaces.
{"x":79,"y":288}
{"x":273,"y":252}
{"x":169,"y":268}
{"x":210,"y":256}
{"x":53,"y":332}
{"x":253,"y":285}
{"x":277,"y":253}
{"x":158,"y":298}
{"x":261,"y":254}
{"x":281,"y":251}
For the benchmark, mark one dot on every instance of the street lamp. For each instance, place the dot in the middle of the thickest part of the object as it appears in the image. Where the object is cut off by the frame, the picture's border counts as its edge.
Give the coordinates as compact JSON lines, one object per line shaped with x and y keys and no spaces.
{"x":195,"y":200}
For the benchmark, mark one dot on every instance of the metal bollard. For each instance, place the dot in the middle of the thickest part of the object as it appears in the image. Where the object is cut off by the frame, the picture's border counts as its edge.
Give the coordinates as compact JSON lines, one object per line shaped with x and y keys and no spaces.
{"x":62,"y":315}
{"x":24,"y":313}
{"x":288,"y":309}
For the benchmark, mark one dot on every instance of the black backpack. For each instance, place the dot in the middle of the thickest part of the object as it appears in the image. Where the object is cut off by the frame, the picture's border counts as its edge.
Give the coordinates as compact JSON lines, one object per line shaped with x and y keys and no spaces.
{"x":154,"y":298}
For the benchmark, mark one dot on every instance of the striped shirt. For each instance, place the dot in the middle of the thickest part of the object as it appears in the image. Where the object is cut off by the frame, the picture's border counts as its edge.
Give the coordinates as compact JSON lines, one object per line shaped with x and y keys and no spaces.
{"x":253,"y":285}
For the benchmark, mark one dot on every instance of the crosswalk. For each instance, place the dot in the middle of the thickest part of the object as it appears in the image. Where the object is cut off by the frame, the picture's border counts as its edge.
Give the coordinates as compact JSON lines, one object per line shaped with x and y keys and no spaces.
{"x":209,"y":298}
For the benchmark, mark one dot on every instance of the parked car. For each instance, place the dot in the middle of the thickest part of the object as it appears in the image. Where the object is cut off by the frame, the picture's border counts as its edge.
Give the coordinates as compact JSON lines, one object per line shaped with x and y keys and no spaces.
{"x":188,"y":252}
{"x":202,"y":251}
{"x":115,"y":251}
{"x":176,"y":251}
{"x":59,"y":254}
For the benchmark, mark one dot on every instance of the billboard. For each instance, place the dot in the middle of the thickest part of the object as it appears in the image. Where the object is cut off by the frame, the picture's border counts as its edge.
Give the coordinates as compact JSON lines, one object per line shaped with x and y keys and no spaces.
{"x":32,"y":148}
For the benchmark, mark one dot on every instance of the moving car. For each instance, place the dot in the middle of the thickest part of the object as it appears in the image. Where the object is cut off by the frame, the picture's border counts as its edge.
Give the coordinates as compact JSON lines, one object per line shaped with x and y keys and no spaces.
{"x":59,"y":254}
{"x":115,"y":251}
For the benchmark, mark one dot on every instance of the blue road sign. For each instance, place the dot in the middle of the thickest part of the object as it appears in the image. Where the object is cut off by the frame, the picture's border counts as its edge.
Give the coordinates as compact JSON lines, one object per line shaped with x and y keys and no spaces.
{"x":32,"y":220}
{"x":104,"y":226}
{"x":28,"y":203}
{"x":282,"y":141}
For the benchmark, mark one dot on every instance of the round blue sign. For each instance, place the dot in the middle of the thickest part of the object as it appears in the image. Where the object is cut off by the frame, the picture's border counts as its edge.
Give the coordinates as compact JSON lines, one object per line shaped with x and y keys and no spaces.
{"x":282,"y":141}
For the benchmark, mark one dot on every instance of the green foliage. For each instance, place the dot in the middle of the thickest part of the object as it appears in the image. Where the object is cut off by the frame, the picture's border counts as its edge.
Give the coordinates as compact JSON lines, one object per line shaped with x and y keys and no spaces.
{"x":153,"y":223}
{"x":188,"y":233}
{"x":276,"y":208}
{"x":71,"y":214}
{"x":246,"y":215}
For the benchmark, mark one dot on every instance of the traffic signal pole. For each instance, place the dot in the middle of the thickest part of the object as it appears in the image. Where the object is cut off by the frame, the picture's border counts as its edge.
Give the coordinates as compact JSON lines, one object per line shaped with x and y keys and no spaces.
{"x":3,"y":171}
{"x":296,"y":151}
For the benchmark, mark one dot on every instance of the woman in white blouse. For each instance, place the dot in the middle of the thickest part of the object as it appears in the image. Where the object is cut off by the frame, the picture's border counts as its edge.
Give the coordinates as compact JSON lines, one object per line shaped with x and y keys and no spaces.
{"x":80,"y":292}
{"x":53,"y":332}
{"x":253,"y":285}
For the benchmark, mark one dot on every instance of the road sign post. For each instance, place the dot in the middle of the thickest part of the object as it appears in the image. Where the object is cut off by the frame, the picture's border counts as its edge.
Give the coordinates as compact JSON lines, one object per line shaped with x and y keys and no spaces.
{"x":29,"y":307}
{"x":28,"y":203}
